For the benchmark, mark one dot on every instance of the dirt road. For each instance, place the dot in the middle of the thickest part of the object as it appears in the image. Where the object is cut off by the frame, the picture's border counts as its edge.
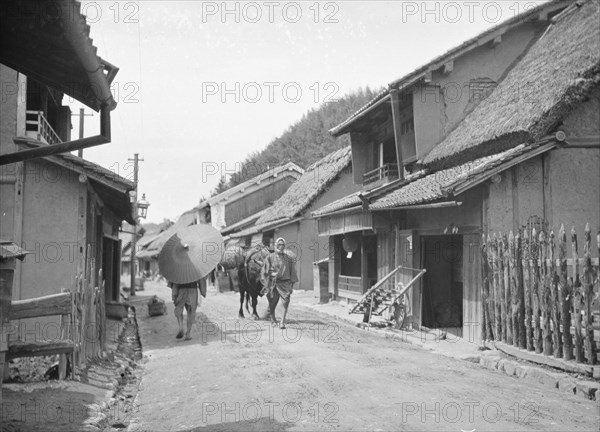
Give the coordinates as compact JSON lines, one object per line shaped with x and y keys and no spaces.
{"x":319,"y":374}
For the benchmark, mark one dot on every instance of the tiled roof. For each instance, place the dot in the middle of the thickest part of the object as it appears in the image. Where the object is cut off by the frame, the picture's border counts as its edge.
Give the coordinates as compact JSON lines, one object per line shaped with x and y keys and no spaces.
{"x":354,"y":199}
{"x":273,"y":172}
{"x":348,"y":201}
{"x":559,"y":71}
{"x":441,"y":185}
{"x":259,"y":227}
{"x":78,"y":164}
{"x":302,"y":193}
{"x":52,"y":44}
{"x":427,"y":186}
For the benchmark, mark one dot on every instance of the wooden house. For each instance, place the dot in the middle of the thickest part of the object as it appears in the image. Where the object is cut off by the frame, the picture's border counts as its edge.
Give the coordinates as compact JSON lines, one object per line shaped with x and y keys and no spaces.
{"x":240,"y":205}
{"x":289,"y":217}
{"x":519,"y":150}
{"x":62,"y":209}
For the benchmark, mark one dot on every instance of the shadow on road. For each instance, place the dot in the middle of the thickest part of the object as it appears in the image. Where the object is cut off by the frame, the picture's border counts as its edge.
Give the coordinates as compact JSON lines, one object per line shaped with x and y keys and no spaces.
{"x":261,"y":424}
{"x":48,"y":409}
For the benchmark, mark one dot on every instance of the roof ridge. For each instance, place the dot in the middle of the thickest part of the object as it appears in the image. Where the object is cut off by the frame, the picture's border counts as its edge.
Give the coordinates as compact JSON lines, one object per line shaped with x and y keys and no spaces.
{"x":436,"y":61}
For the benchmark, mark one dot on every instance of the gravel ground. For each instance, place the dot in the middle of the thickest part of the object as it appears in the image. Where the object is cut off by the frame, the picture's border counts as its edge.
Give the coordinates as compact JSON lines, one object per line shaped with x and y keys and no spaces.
{"x":323,"y":374}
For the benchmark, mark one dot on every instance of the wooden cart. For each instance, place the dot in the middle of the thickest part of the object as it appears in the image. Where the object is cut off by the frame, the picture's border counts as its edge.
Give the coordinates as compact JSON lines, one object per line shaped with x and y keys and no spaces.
{"x":387,"y":294}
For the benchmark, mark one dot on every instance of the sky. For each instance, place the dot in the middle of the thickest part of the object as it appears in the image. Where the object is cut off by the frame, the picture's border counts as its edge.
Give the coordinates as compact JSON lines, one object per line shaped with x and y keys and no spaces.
{"x":202,"y":84}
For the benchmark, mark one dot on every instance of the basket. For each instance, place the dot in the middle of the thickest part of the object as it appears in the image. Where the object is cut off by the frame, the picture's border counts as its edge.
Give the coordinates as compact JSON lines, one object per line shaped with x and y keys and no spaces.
{"x":156,"y":306}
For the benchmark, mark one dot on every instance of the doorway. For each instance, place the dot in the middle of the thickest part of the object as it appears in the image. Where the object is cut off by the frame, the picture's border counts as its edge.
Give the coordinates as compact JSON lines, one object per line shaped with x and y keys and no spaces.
{"x":442,"y":305}
{"x":111,"y":260}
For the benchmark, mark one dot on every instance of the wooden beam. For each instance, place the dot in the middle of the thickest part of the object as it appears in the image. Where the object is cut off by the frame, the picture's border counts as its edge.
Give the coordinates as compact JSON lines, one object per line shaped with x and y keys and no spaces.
{"x":52,"y":149}
{"x":65,"y":147}
{"x":54,"y":304}
{"x":583,"y":142}
{"x":421,"y":206}
{"x":514,"y":174}
{"x":539,"y":358}
{"x":397,"y":131}
{"x":31,"y":349}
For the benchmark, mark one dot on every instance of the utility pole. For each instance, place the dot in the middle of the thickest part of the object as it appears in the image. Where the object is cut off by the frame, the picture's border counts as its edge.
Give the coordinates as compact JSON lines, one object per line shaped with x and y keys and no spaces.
{"x":135,"y":161}
{"x":81,"y":116}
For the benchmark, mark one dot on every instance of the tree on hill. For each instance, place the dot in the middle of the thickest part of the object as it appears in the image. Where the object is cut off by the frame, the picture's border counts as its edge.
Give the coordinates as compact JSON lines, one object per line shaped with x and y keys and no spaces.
{"x":304,"y":142}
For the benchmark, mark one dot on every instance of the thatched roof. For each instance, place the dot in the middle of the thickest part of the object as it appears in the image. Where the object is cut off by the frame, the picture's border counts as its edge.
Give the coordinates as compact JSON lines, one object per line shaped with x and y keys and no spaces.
{"x":302,"y":193}
{"x":417,"y":75}
{"x":555,"y":75}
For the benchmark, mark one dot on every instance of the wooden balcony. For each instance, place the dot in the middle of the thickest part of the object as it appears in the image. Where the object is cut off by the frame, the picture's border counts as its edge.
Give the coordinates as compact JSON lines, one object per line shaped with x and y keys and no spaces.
{"x":381,"y":175}
{"x":37,"y":127}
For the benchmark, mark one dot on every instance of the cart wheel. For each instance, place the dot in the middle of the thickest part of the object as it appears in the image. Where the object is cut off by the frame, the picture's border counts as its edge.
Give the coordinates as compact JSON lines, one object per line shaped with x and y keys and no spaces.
{"x":400,"y":312}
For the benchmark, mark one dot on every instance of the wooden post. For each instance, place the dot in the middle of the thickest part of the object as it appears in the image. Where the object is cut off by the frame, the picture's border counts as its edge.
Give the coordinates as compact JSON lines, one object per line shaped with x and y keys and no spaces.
{"x":527,"y":289}
{"x":497,"y":297}
{"x":501,"y":299}
{"x":588,"y":291}
{"x":535,"y":256}
{"x":397,"y":122}
{"x":577,"y":299}
{"x":555,"y":301}
{"x":507,"y":317}
{"x":64,"y":328}
{"x":545,"y":295}
{"x":7,"y":270}
{"x":513,"y":289}
{"x":565,"y":295}
{"x":520,"y":307}
{"x":484,"y":291}
{"x":490,"y":289}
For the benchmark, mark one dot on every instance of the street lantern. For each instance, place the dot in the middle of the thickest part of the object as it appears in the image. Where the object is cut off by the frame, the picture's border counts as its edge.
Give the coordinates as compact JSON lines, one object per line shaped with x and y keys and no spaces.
{"x":142,"y":206}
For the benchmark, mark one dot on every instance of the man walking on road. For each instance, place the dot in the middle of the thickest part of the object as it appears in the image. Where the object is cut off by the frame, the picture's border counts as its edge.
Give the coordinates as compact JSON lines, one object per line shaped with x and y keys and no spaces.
{"x":278,"y":277}
{"x":186,"y":295}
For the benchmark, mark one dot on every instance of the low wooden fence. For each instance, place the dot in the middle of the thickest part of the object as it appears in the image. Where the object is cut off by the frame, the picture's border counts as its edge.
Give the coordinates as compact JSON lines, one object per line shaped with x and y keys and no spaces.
{"x":89,"y":312}
{"x":82,"y":326}
{"x":536,"y":298}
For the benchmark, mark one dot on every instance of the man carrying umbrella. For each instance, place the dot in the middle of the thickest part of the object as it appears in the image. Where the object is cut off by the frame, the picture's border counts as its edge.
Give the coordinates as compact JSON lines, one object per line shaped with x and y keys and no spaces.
{"x":186,"y":295}
{"x":185,"y":260}
{"x":278,"y":277}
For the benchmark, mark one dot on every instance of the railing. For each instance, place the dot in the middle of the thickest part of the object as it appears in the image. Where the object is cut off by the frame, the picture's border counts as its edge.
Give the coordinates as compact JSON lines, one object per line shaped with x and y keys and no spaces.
{"x":387,"y":171}
{"x":350,"y":283}
{"x":37,"y":124}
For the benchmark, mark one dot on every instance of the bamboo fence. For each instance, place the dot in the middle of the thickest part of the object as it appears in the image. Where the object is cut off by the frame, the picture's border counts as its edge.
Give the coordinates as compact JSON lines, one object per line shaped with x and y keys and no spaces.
{"x":536,"y":298}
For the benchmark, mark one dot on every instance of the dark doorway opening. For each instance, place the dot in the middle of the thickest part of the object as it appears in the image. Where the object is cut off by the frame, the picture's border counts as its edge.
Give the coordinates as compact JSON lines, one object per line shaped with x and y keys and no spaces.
{"x":110,"y":268}
{"x":443,"y":282}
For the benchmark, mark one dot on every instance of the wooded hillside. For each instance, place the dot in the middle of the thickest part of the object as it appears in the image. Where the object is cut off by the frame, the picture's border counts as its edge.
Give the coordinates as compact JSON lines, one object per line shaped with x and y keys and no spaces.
{"x":304,"y":142}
